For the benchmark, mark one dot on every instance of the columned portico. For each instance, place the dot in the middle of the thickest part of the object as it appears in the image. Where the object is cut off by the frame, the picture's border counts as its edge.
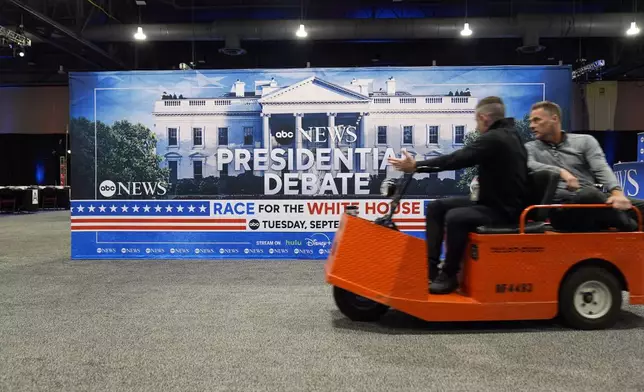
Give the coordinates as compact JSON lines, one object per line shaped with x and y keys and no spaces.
{"x":315,"y":105}
{"x":266,"y":137}
{"x":266,"y":130}
{"x":298,"y":135}
{"x":363,"y":129}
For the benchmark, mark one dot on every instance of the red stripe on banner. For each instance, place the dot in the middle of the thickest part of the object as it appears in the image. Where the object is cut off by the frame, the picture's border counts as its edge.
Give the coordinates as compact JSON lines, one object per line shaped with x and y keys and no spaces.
{"x":409,"y":220}
{"x":156,"y":220}
{"x":155,"y":228}
{"x":401,"y":228}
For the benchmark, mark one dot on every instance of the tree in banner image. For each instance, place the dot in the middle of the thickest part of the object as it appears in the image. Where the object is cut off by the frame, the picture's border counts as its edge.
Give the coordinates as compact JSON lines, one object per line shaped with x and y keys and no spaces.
{"x":470,"y":172}
{"x":523,"y":128}
{"x":81,"y":132}
{"x":126,"y":152}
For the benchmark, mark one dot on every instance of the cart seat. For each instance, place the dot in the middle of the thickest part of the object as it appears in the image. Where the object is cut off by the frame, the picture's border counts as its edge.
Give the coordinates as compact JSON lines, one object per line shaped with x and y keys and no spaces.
{"x":543,"y":185}
{"x":530,"y":228}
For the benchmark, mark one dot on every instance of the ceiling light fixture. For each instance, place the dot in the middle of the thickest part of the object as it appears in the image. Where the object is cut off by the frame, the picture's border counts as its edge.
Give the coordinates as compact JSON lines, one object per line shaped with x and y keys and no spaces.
{"x":466,"y":32}
{"x":139,"y":35}
{"x":301,"y":32}
{"x":633,"y":30}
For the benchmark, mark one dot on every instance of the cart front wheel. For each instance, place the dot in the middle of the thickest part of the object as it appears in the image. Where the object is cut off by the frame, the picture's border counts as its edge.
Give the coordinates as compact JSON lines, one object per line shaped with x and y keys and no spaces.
{"x":590,"y":298}
{"x":357,"y":308}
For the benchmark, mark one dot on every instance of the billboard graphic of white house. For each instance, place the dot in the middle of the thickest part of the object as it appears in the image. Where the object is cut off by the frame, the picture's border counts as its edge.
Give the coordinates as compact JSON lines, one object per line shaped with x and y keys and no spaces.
{"x":190,"y":131}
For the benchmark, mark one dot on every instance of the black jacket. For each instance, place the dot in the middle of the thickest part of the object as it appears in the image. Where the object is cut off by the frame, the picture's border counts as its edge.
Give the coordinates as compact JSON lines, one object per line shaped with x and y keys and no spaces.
{"x":502,"y":167}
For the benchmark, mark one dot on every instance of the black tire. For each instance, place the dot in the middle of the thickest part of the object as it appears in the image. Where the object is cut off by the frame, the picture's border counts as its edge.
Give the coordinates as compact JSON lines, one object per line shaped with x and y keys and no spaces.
{"x":590,"y":298}
{"x":357,"y":308}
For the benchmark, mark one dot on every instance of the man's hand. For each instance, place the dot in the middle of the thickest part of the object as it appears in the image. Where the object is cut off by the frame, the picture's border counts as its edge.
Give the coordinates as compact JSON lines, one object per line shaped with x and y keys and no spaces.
{"x":619,"y":201}
{"x":571,"y":181}
{"x":407,"y":163}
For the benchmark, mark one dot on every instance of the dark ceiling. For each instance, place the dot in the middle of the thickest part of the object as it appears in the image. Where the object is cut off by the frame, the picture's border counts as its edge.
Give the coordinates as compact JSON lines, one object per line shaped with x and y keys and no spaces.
{"x":60,"y":29}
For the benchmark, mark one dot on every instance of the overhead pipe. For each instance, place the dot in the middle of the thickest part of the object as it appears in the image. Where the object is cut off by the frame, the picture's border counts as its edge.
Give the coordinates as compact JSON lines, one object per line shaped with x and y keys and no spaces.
{"x":545,"y":26}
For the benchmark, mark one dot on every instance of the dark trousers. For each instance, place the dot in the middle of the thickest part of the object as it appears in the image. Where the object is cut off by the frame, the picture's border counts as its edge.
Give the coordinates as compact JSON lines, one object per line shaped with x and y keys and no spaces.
{"x":459,"y":216}
{"x":590,"y":220}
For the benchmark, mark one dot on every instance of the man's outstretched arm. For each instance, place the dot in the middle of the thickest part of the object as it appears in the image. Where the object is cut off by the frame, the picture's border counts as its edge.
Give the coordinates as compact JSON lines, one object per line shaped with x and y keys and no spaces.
{"x":483,"y":148}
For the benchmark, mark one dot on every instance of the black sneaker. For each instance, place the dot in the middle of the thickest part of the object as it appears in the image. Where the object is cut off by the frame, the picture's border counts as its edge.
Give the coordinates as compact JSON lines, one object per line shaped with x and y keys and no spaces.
{"x":433,"y":271}
{"x":443,"y":284}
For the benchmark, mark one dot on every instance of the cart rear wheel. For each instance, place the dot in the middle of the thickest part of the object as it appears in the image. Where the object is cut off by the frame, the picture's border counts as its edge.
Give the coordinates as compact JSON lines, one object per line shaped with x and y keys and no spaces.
{"x":590,"y":298}
{"x":358,"y":308}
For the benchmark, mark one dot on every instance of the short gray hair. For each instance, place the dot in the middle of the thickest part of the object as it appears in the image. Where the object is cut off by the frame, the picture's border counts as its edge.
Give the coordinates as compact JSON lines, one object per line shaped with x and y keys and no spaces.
{"x":492,"y":107}
{"x":550,"y":107}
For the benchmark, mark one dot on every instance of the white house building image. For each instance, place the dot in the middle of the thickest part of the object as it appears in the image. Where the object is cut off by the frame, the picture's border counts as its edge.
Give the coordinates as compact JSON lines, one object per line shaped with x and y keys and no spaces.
{"x":190,"y":130}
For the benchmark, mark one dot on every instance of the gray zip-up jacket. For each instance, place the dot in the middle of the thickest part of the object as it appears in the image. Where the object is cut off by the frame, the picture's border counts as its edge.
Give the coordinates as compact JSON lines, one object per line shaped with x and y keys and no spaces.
{"x":580,"y":154}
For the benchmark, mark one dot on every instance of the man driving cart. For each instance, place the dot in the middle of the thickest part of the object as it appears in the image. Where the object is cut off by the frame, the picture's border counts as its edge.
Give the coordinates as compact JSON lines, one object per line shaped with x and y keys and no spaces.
{"x":502,"y":164}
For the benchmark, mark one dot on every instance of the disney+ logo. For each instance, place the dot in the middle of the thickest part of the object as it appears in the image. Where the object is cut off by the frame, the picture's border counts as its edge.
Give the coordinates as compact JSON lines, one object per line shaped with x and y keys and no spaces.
{"x":318,"y":239}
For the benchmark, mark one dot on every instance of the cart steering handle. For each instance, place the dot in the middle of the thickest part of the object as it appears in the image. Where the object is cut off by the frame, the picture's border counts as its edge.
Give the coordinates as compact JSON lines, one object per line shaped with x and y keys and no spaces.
{"x":427,"y":169}
{"x":525,"y":212}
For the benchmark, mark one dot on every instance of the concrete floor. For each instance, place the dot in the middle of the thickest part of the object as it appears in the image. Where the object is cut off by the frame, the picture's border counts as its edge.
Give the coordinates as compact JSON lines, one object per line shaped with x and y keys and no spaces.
{"x":261,"y":326}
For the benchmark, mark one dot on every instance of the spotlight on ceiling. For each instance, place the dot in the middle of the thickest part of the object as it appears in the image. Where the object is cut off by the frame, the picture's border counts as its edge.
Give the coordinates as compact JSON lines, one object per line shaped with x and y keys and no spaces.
{"x":466,"y":32}
{"x":139,"y":35}
{"x":633,"y":30}
{"x":301,"y":32}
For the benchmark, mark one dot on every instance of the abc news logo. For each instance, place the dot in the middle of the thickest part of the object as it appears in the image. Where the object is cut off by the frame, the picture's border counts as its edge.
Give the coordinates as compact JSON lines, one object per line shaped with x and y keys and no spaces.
{"x":253,"y":224}
{"x":107,"y":188}
{"x":284,"y":137}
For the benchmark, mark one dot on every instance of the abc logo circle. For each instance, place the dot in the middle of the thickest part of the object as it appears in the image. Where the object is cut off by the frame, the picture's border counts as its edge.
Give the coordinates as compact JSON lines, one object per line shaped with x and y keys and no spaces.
{"x":284,"y":137}
{"x":107,"y":188}
{"x":253,"y":224}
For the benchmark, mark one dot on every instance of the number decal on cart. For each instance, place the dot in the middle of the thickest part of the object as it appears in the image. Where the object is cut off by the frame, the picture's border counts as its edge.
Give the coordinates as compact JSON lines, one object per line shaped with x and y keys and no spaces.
{"x":504,"y":288}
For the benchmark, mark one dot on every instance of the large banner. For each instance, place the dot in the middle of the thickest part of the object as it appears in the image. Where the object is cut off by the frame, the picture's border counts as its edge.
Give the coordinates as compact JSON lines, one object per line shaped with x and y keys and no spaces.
{"x":261,"y":163}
